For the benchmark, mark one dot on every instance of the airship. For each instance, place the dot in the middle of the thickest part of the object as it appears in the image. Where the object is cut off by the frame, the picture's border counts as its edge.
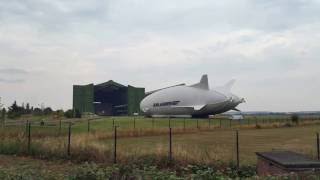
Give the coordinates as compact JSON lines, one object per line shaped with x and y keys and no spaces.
{"x":196,"y":100}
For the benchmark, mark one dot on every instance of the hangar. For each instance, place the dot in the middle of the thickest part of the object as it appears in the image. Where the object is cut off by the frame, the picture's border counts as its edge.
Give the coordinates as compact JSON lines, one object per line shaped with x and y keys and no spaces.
{"x":109,"y":98}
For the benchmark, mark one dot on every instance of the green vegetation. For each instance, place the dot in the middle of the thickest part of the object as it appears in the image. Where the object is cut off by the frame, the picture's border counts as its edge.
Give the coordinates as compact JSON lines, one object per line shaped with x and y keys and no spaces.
{"x":295,"y":118}
{"x":202,"y":143}
{"x":15,"y":111}
{"x":3,"y":114}
{"x":26,"y":168}
{"x":148,"y":171}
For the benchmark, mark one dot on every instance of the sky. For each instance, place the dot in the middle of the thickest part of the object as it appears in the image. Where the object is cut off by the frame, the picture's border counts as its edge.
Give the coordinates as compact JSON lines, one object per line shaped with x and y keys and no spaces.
{"x":270,"y":47}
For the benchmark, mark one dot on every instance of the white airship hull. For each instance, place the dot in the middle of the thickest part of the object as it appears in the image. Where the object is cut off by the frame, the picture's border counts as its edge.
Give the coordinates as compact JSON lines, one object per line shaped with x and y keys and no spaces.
{"x":196,"y":100}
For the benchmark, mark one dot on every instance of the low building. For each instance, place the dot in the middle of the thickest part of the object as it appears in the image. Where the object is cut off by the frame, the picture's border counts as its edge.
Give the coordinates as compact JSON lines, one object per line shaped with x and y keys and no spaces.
{"x":109,"y":98}
{"x":238,"y":117}
{"x":277,"y":163}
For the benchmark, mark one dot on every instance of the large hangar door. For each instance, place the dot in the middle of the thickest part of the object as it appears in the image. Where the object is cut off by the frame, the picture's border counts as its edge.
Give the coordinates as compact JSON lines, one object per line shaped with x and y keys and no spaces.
{"x":135,"y":96}
{"x":110,"y":99}
{"x":83,"y":98}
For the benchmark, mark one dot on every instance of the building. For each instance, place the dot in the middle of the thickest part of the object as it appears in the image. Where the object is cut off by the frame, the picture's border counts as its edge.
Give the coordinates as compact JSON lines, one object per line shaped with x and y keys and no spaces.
{"x":109,"y":99}
{"x":277,"y":163}
{"x":238,"y":117}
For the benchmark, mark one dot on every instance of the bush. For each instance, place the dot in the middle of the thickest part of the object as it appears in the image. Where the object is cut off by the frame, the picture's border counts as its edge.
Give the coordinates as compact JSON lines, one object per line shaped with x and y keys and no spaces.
{"x":47,"y":111}
{"x":91,"y":171}
{"x":287,"y":125}
{"x":295,"y":118}
{"x":71,"y":113}
{"x":37,"y":112}
{"x":15,"y":111}
{"x":3,"y":114}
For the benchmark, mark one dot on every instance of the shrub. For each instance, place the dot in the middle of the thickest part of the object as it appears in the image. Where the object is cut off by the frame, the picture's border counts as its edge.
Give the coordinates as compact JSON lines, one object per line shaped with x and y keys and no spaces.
{"x":69,"y":113}
{"x":72,"y":113}
{"x":3,"y":114}
{"x":287,"y":125}
{"x":47,"y":111}
{"x":37,"y":112}
{"x":295,"y":118}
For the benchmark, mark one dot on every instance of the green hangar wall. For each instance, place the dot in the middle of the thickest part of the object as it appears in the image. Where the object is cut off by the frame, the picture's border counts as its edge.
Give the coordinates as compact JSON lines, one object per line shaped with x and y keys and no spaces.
{"x":83,"y":97}
{"x":109,"y":98}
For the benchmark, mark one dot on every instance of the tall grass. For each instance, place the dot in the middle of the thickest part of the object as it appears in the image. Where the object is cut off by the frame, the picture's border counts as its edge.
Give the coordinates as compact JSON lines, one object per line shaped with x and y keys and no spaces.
{"x":135,"y":144}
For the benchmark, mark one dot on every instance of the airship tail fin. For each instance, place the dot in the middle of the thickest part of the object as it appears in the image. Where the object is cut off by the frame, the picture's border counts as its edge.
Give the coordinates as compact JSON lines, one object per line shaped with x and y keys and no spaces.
{"x":229,"y":85}
{"x":203,"y":84}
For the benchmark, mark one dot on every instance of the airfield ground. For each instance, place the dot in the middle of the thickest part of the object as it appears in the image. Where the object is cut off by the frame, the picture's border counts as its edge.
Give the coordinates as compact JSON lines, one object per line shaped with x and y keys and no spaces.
{"x":193,"y":142}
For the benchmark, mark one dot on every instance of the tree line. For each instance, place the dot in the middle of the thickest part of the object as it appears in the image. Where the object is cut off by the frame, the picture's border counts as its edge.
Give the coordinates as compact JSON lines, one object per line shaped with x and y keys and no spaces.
{"x":15,"y":111}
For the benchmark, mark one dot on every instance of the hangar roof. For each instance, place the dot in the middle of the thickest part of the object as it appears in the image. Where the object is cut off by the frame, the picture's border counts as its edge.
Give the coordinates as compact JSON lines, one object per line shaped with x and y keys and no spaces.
{"x":108,"y":84}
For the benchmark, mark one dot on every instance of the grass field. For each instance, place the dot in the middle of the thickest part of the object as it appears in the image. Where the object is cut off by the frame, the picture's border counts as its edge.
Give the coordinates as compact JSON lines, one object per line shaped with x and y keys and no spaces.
{"x":103,"y":124}
{"x":200,"y":141}
{"x":219,"y":145}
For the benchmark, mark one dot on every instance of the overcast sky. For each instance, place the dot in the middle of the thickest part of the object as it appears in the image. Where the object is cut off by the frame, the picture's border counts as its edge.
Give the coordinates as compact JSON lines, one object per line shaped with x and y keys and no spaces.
{"x":271,"y":48}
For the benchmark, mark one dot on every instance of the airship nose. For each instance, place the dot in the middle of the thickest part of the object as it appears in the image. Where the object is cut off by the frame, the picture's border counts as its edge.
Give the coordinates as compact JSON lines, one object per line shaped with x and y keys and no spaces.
{"x":144,"y":105}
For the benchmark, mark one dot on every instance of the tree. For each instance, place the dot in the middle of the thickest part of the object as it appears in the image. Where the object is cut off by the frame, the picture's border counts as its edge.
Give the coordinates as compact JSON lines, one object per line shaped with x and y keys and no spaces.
{"x":3,"y":114}
{"x":69,"y":113}
{"x":37,"y":112}
{"x":47,"y":111}
{"x":295,"y":118}
{"x":72,"y":113}
{"x":59,"y":113}
{"x":15,"y":111}
{"x":1,"y":105}
{"x":28,"y":110}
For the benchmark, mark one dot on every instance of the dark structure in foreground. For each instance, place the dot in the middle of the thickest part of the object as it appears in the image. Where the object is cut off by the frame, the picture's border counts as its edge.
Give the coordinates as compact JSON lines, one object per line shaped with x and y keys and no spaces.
{"x":109,"y":98}
{"x":284,"y":163}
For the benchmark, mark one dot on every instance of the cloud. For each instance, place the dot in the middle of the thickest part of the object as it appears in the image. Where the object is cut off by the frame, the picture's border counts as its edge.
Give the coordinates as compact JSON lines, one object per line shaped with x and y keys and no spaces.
{"x":12,"y":75}
{"x":12,"y":71}
{"x":11,"y":80}
{"x":268,"y":46}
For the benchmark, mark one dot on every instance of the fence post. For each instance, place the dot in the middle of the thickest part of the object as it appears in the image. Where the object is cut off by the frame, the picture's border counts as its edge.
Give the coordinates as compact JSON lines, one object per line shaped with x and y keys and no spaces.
{"x":112,"y":122}
{"x":256,"y":121}
{"x":197,"y":123}
{"x":152,"y":122}
{"x":220,"y":123}
{"x":318,"y":155}
{"x":69,"y":139}
{"x":237,"y":147}
{"x":59,"y":126}
{"x":29,"y":137}
{"x":169,"y":122}
{"x":134,"y":122}
{"x":170,"y":144}
{"x":4,"y":121}
{"x":88,"y":125}
{"x":230,"y":123}
{"x":27,"y":127}
{"x":115,"y":145}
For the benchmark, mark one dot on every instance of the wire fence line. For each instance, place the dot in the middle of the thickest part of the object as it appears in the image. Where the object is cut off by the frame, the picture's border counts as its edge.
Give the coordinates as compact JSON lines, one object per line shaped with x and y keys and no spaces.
{"x":225,"y":145}
{"x":141,"y":122}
